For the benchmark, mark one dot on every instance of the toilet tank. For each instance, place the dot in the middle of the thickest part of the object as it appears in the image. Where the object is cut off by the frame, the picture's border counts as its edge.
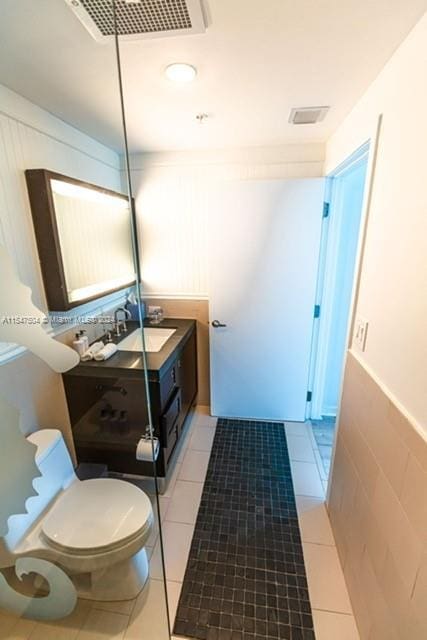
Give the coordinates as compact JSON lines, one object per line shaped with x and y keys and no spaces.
{"x":57,"y":472}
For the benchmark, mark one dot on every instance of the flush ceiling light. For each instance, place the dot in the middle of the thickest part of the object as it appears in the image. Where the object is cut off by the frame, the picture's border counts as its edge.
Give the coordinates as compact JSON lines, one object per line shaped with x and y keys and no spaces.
{"x":180,"y":72}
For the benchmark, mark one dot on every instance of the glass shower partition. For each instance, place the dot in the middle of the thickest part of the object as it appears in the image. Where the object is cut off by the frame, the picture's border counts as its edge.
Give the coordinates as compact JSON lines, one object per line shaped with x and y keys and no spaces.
{"x":80,"y":530}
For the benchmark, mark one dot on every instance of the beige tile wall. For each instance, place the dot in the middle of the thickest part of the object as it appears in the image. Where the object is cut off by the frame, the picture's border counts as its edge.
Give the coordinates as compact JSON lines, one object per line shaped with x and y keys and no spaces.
{"x":199,"y":310}
{"x":378,"y":510}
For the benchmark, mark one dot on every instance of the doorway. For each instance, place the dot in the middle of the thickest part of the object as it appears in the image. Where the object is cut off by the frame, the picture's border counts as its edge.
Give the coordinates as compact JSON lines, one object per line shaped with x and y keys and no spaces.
{"x":337,"y":269}
{"x":264,"y":239}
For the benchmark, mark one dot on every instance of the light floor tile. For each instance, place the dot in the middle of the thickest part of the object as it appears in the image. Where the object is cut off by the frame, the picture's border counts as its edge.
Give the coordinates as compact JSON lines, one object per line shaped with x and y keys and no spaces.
{"x":174,"y":591}
{"x":21,"y":631}
{"x":205,"y":421}
{"x":149,"y":617}
{"x":156,"y":568}
{"x":65,"y":629}
{"x":317,"y":456}
{"x":7,"y":622}
{"x":183,"y":446}
{"x":202,"y":417}
{"x":155,"y":528}
{"x":164,"y":504}
{"x":100,"y":624}
{"x":300,"y":449}
{"x":334,"y":626}
{"x":194,"y":466}
{"x":296,"y":429}
{"x":314,"y":521}
{"x":306,"y":479}
{"x":185,"y":502}
{"x":177,"y":541}
{"x":202,"y":439}
{"x":172,"y":480}
{"x":325,"y":578}
{"x":125,"y":607}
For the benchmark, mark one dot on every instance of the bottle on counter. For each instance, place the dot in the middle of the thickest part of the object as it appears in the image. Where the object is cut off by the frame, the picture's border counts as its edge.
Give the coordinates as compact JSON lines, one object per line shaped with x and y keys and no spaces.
{"x":79,"y":345}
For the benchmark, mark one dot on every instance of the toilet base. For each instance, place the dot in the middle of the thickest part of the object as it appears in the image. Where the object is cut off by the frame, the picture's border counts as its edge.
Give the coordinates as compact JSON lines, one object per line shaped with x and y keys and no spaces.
{"x":122,"y":581}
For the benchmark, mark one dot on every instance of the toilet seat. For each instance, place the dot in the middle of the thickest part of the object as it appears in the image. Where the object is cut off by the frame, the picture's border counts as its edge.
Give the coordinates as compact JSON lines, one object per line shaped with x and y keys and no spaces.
{"x":95,"y":516}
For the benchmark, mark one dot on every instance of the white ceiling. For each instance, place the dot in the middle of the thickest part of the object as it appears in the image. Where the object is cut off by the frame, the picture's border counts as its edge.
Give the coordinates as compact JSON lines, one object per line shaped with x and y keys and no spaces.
{"x":257,"y":59}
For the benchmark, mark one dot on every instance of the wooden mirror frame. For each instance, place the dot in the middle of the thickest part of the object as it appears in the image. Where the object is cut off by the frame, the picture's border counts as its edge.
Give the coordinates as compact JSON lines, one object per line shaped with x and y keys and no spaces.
{"x":47,"y":237}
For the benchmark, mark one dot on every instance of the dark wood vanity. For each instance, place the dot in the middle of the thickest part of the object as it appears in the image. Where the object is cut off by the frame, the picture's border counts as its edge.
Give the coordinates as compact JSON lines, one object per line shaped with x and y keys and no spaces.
{"x":108,"y":405}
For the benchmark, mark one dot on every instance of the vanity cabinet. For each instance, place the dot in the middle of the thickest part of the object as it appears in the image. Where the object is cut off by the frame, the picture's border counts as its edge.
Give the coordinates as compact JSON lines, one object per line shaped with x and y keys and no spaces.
{"x":108,"y":406}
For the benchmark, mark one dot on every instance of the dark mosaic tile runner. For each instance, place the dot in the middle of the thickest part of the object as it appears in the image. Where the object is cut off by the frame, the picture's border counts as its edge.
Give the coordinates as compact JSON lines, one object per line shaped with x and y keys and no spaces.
{"x":245,"y":577}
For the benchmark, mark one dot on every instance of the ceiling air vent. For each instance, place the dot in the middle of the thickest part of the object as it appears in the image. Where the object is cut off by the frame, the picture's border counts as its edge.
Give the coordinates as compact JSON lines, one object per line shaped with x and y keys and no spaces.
{"x":307,"y":115}
{"x":139,"y":19}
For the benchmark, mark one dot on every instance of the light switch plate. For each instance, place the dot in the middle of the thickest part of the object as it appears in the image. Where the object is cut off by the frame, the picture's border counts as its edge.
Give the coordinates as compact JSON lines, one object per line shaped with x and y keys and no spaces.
{"x":360,"y":333}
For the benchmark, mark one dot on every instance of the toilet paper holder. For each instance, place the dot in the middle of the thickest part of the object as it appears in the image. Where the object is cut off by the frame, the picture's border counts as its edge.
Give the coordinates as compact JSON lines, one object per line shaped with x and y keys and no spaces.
{"x":147,"y":446}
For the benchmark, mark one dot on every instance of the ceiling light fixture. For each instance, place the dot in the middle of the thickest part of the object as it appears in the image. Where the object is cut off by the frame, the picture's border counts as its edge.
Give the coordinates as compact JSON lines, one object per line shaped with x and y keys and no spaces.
{"x":181,"y":72}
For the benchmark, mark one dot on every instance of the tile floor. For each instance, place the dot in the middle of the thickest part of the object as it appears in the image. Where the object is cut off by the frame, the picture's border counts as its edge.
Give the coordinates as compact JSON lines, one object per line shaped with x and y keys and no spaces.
{"x":324,"y":433}
{"x":245,"y":577}
{"x":144,"y":617}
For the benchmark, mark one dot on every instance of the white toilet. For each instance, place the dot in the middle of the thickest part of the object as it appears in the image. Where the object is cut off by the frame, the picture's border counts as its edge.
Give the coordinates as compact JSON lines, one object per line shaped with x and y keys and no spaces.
{"x":95,"y":530}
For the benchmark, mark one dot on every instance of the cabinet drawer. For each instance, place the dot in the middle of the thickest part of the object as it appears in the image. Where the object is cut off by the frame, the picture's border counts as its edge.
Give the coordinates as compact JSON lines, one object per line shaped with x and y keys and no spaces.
{"x":170,"y":418}
{"x":172,"y":440}
{"x":167,"y":384}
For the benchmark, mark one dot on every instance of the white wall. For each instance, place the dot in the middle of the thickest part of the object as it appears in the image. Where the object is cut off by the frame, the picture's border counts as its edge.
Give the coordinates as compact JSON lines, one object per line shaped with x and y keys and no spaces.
{"x":171,"y":191}
{"x":393,"y":287}
{"x":32,"y":138}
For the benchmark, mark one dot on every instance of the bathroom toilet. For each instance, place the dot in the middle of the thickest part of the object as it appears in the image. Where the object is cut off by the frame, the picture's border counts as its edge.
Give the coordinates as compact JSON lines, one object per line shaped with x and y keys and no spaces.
{"x":95,"y":530}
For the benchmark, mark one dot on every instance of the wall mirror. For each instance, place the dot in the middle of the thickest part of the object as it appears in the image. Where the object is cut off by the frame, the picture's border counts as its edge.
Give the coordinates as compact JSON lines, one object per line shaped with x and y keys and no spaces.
{"x":83,"y":236}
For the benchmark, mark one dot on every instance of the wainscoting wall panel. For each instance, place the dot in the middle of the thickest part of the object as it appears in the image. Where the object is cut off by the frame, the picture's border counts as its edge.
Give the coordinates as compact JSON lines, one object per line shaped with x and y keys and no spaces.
{"x":378,"y":510}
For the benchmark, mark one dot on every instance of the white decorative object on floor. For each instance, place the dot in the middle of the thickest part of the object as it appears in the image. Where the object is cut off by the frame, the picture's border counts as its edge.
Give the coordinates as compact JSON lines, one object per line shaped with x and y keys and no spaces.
{"x":93,"y":530}
{"x":60,"y":601}
{"x":17,"y":493}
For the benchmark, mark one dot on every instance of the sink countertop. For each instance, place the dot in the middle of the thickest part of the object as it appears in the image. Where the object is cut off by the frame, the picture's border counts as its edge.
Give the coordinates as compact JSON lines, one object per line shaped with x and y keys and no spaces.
{"x":130,"y":363}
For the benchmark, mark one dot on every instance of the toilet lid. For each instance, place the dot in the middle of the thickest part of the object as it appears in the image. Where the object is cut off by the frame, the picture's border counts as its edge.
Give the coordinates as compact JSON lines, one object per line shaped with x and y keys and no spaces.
{"x":97,"y":514}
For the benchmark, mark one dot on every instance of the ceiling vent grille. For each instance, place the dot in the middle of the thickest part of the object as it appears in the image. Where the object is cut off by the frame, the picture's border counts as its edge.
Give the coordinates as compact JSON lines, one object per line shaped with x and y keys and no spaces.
{"x":307,"y":115}
{"x":139,"y":19}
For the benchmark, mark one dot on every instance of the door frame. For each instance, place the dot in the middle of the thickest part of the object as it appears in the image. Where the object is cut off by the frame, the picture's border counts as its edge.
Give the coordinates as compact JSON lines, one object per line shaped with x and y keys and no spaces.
{"x":372,"y":143}
{"x":330,"y":247}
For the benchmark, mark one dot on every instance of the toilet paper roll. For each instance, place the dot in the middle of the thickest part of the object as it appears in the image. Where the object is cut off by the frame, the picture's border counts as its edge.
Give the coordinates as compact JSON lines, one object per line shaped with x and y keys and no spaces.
{"x":144,"y":450}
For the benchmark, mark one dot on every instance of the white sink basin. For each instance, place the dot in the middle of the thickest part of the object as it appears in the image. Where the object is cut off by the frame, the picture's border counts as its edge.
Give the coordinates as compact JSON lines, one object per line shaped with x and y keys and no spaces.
{"x":154,"y":340}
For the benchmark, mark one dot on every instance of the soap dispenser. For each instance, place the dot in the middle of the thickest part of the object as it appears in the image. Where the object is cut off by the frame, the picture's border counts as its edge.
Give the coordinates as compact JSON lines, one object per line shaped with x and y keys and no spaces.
{"x":79,"y":345}
{"x":83,"y":336}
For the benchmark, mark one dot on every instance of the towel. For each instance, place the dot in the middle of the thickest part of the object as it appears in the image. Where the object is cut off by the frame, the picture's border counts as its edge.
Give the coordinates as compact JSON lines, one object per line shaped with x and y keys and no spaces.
{"x":106,"y":352}
{"x":92,"y":351}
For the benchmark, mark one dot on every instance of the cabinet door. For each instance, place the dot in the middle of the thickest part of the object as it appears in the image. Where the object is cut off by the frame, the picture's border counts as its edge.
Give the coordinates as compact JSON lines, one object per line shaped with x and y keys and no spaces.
{"x":187,"y":376}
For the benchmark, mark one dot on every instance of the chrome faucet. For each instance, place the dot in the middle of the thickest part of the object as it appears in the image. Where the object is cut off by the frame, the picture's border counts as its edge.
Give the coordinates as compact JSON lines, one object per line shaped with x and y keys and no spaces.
{"x":118,"y":323}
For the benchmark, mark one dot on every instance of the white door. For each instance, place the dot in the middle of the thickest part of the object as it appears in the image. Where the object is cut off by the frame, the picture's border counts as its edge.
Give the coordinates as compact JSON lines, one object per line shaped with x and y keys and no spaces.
{"x":264,"y":239}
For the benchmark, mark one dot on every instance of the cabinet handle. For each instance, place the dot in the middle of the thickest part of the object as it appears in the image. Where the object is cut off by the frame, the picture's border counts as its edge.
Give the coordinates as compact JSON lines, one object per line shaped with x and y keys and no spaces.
{"x":173,"y":374}
{"x":179,"y":364}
